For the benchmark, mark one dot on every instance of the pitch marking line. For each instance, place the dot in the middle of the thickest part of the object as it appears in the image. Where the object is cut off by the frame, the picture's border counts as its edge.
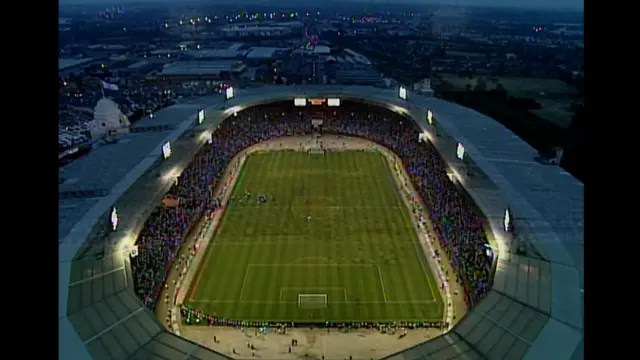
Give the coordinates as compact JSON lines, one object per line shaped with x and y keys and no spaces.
{"x":310,"y":265}
{"x":246,"y":273}
{"x":244,"y":282}
{"x":273,"y":302}
{"x":384,"y":292}
{"x":314,"y":288}
{"x":306,"y":242}
{"x":316,"y":207}
{"x":299,"y":208}
{"x":330,"y":262}
{"x":403,"y":201}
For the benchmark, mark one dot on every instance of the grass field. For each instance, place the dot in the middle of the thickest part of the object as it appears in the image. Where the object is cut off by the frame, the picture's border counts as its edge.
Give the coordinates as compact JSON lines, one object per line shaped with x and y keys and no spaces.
{"x":359,"y":248}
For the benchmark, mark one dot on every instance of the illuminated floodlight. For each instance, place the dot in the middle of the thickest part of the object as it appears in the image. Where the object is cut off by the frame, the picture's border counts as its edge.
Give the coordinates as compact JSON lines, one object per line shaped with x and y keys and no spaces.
{"x":460,"y":151}
{"x":402,"y":93}
{"x":200,"y":116}
{"x":230,"y":93}
{"x":299,"y":102}
{"x":205,"y":136}
{"x":151,"y":115}
{"x":333,"y":102}
{"x":166,"y":150}
{"x":133,"y":251}
{"x":507,"y":220}
{"x":210,"y":139}
{"x":114,"y":219}
{"x":488,"y":250}
{"x":429,"y":117}
{"x":231,"y":110}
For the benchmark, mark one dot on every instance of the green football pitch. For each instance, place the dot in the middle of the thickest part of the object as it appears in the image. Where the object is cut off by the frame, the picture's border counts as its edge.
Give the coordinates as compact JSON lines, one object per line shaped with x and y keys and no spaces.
{"x":334,"y":242}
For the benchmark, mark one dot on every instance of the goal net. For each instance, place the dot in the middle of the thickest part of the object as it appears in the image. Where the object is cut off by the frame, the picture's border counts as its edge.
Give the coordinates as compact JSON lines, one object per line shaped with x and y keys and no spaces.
{"x":316,"y":151}
{"x":312,"y":301}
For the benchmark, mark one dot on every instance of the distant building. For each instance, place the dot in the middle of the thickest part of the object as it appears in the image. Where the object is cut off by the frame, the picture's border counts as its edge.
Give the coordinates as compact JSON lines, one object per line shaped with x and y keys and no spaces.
{"x":423,"y":87}
{"x":263,"y":31}
{"x":357,"y":57}
{"x":200,"y":70}
{"x":320,"y":49}
{"x":290,"y":24}
{"x":359,"y":77}
{"x":234,"y":51}
{"x":259,"y":53}
{"x":68,"y":64}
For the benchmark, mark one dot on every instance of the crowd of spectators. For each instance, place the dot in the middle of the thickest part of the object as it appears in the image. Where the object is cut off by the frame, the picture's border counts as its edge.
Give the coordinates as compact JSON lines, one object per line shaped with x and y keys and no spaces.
{"x":457,"y":223}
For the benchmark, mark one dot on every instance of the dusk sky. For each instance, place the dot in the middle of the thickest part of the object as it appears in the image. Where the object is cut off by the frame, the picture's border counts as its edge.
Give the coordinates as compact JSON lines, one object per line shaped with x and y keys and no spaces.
{"x":539,"y":4}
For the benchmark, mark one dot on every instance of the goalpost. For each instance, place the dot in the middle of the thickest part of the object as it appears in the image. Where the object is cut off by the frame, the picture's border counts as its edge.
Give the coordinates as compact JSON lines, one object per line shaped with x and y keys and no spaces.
{"x":314,"y":147}
{"x":315,"y":151}
{"x":312,"y":301}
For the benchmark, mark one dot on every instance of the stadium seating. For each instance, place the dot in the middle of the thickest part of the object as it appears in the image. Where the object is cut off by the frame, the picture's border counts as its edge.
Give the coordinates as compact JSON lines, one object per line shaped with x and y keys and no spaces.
{"x":458,"y":224}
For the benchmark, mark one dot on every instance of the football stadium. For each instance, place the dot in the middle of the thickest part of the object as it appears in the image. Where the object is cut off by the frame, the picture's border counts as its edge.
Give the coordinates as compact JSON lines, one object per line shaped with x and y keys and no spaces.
{"x":319,"y":222}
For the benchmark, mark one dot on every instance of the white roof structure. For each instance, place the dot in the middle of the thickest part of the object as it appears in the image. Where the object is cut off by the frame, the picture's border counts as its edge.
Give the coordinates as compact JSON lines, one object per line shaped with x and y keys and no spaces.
{"x":69,"y":63}
{"x":534,"y":310}
{"x":197,"y":67}
{"x":229,"y":53}
{"x":321,"y":49}
{"x":106,"y":116}
{"x":290,"y":23}
{"x":261,"y":52}
{"x":255,"y":29}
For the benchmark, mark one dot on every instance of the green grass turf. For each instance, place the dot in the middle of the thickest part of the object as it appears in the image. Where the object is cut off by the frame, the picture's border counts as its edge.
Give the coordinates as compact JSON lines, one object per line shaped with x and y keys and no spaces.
{"x":359,"y":248}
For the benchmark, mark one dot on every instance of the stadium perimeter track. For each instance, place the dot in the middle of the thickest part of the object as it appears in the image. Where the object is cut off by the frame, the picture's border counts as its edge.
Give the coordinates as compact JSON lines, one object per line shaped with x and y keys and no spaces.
{"x":534,"y":311}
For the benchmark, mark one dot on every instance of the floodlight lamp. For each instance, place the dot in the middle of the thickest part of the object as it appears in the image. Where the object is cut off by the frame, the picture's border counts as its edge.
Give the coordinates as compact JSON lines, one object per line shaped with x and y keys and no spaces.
{"x":460,"y":151}
{"x":229,"y":93}
{"x":114,"y":219}
{"x":133,"y":251}
{"x":507,"y":220}
{"x":402,"y":93}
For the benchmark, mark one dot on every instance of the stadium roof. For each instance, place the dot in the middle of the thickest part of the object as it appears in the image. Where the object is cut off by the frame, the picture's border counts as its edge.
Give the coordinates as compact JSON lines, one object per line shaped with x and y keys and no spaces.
{"x":89,"y":179}
{"x":69,"y":63}
{"x":321,"y":49}
{"x":197,"y":67}
{"x":254,"y":29}
{"x":229,"y":53}
{"x":534,"y":311}
{"x":261,"y":52}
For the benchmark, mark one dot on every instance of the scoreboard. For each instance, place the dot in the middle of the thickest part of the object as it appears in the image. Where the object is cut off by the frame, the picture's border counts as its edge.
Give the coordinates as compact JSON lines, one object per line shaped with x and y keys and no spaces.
{"x":316,"y":102}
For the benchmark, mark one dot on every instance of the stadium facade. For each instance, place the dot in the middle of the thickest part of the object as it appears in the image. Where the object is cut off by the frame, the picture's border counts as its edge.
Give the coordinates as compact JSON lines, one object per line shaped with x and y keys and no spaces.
{"x":534,"y":311}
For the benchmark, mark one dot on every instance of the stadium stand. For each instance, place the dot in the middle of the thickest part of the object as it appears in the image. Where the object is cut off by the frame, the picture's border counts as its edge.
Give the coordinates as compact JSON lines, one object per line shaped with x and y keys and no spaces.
{"x":532,"y":305}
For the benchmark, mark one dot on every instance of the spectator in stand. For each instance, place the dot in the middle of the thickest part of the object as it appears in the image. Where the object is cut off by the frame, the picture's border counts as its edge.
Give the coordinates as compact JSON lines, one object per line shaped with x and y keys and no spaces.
{"x":459,"y":227}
